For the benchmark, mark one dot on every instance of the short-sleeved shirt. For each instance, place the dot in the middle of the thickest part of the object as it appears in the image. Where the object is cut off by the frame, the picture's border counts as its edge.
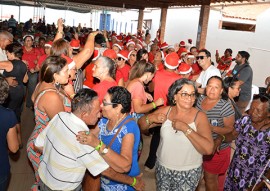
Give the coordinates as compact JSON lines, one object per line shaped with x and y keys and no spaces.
{"x":163,"y":80}
{"x":124,"y":71}
{"x":206,"y":74}
{"x":8,"y":120}
{"x":245,"y":74}
{"x":102,"y":88}
{"x":31,"y":57}
{"x":65,"y":160}
{"x":41,"y":60}
{"x":137,"y":91}
{"x":216,"y":114}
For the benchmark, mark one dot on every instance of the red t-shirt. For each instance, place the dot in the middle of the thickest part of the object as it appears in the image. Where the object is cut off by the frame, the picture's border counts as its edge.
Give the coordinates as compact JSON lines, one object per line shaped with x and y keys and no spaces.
{"x":224,"y":66}
{"x":124,"y":71}
{"x":196,"y":68}
{"x":41,"y":50}
{"x":31,"y":57}
{"x":163,"y":80}
{"x":102,"y":88}
{"x":41,"y":60}
{"x":151,"y":57}
{"x":89,"y":79}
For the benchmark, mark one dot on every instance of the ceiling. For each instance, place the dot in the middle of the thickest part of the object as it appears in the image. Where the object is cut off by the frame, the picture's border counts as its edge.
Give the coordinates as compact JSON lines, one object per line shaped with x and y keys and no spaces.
{"x":113,"y":5}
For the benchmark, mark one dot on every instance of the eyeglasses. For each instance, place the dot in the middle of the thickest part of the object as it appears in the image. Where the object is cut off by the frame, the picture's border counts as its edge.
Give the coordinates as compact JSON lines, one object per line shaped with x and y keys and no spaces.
{"x":185,"y":95}
{"x":200,"y":57}
{"x":263,"y":98}
{"x":107,"y":103}
{"x":119,"y":58}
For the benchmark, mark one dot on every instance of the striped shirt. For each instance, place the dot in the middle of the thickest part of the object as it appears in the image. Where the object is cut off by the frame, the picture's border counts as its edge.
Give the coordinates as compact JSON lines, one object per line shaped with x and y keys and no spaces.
{"x":216,"y":114}
{"x":65,"y":160}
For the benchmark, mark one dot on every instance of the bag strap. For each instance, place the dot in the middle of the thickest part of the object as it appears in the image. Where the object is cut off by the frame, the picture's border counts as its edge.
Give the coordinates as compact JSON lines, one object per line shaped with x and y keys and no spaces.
{"x":119,"y":129}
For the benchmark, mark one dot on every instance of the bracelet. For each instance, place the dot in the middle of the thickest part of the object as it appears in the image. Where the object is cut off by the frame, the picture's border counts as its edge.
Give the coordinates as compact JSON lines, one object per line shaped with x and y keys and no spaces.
{"x":147,"y":120}
{"x":72,"y":96}
{"x":223,"y":138}
{"x":188,"y":131}
{"x":97,"y":148}
{"x":154,"y":105}
{"x":134,"y":182}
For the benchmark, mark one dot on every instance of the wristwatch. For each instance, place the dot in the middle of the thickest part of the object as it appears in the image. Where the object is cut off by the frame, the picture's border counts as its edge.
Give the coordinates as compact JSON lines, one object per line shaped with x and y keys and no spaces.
{"x":105,"y":151}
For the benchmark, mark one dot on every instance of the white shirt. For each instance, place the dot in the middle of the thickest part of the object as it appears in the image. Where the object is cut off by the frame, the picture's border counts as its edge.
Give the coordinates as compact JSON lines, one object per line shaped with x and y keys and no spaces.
{"x":206,"y":74}
{"x":65,"y":160}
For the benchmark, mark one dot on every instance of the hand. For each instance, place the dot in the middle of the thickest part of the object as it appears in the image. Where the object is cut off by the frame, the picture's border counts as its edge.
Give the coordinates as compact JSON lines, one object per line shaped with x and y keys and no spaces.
{"x":179,"y":125}
{"x":140,"y":183}
{"x":217,"y":143}
{"x":12,"y":81}
{"x":87,"y":138}
{"x":60,"y":23}
{"x":94,"y":33}
{"x":32,"y":70}
{"x":69,"y":89}
{"x":149,"y":97}
{"x":157,"y":118}
{"x":159,"y":102}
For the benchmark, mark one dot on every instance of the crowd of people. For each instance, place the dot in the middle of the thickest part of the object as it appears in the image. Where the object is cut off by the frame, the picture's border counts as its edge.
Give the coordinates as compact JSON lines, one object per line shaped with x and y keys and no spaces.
{"x":94,"y":93}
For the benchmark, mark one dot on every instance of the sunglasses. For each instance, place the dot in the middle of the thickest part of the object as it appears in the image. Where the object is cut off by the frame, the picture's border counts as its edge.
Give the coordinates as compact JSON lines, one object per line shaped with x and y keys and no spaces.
{"x":200,"y":57}
{"x":263,"y":98}
{"x":107,"y":103}
{"x":119,"y":58}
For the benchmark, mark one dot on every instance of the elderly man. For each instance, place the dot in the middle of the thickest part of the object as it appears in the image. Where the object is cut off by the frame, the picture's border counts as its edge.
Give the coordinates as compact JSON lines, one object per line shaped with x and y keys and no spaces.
{"x":6,"y":38}
{"x":65,"y":159}
{"x":244,"y":73}
{"x":204,"y":60}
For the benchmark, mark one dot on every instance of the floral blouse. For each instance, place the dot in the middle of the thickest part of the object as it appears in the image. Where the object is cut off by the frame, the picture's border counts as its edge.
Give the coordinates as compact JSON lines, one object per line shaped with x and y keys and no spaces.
{"x":250,"y":158}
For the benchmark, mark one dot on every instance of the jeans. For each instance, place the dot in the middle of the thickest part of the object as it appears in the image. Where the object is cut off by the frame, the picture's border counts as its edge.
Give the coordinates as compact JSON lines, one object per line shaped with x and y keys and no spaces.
{"x":4,"y":182}
{"x":31,"y":85}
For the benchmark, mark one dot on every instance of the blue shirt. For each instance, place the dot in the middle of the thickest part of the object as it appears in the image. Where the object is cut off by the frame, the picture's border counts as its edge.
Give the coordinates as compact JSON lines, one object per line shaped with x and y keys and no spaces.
{"x":106,"y":136}
{"x":7,"y":120}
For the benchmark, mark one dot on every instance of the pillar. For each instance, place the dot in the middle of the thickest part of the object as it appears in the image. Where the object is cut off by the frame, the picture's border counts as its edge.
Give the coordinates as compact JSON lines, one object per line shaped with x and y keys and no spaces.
{"x":163,"y":18}
{"x":203,"y":25}
{"x":140,"y":20}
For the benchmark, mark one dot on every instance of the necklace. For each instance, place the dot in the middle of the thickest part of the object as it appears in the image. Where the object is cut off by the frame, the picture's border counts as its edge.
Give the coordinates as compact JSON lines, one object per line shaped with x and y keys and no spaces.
{"x":116,"y":124}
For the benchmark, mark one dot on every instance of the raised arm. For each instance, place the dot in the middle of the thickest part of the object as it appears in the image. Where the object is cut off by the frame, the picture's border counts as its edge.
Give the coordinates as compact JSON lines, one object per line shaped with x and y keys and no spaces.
{"x":86,"y":52}
{"x":59,"y":32}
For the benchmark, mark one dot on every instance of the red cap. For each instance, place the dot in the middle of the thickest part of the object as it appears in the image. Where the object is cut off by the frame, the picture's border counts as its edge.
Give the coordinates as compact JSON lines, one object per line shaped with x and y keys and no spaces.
{"x":75,"y":44}
{"x":182,"y":43}
{"x":164,"y":45}
{"x":123,"y":54}
{"x":119,"y":45}
{"x":130,"y":42}
{"x":171,"y":61}
{"x":96,"y":54}
{"x":49,"y":44}
{"x":184,"y":68}
{"x":110,"y":53}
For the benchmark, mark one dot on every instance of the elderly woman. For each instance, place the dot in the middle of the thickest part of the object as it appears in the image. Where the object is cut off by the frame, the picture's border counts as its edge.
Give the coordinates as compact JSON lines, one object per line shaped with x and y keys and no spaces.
{"x":185,"y":137}
{"x":221,"y":117}
{"x":251,"y":157}
{"x":49,"y":99}
{"x":8,"y":135}
{"x":104,"y":70}
{"x":118,"y":137}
